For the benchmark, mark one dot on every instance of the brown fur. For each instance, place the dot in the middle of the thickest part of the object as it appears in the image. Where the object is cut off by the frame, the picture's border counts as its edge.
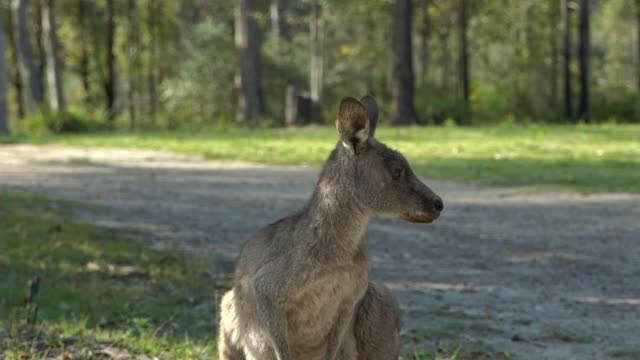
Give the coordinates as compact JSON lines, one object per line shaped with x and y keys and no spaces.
{"x":301,"y":287}
{"x":377,"y":325}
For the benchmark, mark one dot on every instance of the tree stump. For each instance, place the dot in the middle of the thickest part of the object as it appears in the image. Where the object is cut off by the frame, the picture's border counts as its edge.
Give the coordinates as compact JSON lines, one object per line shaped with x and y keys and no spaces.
{"x":298,"y":110}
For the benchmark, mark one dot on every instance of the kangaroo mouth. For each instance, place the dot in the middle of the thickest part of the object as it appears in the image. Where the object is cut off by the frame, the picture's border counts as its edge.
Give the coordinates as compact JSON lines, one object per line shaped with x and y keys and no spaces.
{"x":424,"y":218}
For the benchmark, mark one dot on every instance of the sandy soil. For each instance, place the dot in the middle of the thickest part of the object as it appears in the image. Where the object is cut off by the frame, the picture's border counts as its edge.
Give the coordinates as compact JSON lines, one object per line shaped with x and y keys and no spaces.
{"x":559,"y":273}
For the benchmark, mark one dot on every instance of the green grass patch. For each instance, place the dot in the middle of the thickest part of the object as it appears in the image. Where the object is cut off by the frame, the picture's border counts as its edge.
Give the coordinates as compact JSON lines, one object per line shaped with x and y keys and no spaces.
{"x":567,"y":337}
{"x":585,"y":158}
{"x":450,"y":341}
{"x":456,"y":351}
{"x":454,"y":329}
{"x":625,"y":353}
{"x":446,"y":311}
{"x":98,"y":289}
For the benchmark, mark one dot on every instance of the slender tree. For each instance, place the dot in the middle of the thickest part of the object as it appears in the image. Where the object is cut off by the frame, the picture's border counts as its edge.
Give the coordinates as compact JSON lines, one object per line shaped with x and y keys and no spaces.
{"x":279,"y":25}
{"x":4,"y":111}
{"x":584,"y":51}
{"x":566,"y":51}
{"x":190,"y":14}
{"x":402,"y":84}
{"x":110,"y":81}
{"x":152,"y":63}
{"x":316,"y":66}
{"x":83,"y":14}
{"x":16,"y":80}
{"x":637,"y":3}
{"x":516,"y":46}
{"x":425,"y":36}
{"x":39,"y":57}
{"x":464,"y":58}
{"x":54,"y":63}
{"x":24,"y":54}
{"x":133,"y":60}
{"x":445,"y":58}
{"x":553,"y":37}
{"x":248,"y":80}
{"x":281,"y":32}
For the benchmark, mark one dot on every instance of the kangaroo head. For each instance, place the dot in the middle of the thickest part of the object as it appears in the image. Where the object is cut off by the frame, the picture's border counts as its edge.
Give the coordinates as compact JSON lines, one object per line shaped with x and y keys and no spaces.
{"x":383,"y":183}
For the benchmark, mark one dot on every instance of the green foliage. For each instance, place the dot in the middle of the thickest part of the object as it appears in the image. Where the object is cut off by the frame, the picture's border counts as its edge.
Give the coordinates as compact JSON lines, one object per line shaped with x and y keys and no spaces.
{"x":489,"y":103}
{"x":438,"y":105}
{"x":176,"y":60}
{"x":616,"y":103}
{"x":201,"y":90}
{"x":99,"y":287}
{"x":46,"y":121}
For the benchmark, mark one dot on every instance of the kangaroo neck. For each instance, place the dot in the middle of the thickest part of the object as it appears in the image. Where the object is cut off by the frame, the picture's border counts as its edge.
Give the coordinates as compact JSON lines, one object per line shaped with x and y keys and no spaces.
{"x":337,"y":220}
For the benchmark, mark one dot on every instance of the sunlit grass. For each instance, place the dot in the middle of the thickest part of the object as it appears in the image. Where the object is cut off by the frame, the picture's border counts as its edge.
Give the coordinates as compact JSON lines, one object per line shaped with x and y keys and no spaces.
{"x":98,"y":288}
{"x":583,"y":158}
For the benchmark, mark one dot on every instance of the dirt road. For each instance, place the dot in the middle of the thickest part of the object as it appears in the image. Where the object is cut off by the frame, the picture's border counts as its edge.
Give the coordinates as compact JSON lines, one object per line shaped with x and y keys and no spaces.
{"x":559,"y":273}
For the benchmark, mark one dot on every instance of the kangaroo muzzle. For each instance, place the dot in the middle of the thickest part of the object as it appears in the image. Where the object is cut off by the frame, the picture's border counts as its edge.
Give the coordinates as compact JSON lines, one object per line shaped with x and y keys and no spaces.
{"x":428,"y":207}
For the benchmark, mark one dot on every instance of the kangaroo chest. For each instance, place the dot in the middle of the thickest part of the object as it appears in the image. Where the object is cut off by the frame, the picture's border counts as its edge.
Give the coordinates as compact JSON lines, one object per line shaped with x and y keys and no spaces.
{"x":327,"y":294}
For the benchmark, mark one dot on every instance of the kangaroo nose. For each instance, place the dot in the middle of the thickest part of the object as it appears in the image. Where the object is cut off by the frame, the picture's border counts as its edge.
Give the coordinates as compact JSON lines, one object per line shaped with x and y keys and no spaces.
{"x":438,"y":204}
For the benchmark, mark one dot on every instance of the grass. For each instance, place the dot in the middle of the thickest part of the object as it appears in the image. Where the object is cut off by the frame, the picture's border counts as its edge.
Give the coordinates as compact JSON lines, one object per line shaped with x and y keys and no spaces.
{"x":625,"y":353}
{"x":457,"y":351}
{"x":454,"y":329}
{"x":99,"y":290}
{"x":566,"y":337}
{"x":587,"y":158}
{"x":446,"y":311}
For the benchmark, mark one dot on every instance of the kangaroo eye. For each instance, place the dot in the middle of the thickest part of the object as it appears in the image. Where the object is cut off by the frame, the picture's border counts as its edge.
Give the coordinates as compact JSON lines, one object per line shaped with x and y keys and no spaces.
{"x":396,"y":173}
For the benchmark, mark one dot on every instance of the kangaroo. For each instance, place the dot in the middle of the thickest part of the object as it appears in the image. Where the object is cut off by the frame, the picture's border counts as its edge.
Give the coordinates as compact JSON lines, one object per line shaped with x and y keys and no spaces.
{"x":301,"y":289}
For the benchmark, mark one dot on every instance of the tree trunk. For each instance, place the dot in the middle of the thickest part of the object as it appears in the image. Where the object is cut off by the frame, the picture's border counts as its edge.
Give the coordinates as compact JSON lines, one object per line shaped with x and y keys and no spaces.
{"x":39,"y":58}
{"x":83,"y":15}
{"x":152,"y":65}
{"x":464,"y":59}
{"x":638,"y":44}
{"x":54,"y":64}
{"x":553,"y":31}
{"x":280,"y":30}
{"x":387,"y":80}
{"x":248,"y":79}
{"x":298,"y":109}
{"x":316,"y":66}
{"x":279,"y":24}
{"x":584,"y":53}
{"x":4,"y":111}
{"x":425,"y":35}
{"x":110,"y":81}
{"x":132,"y":60}
{"x":16,"y":80}
{"x":568,"y":93}
{"x":189,"y":17}
{"x":446,"y":59}
{"x":516,"y":47}
{"x":402,"y":84}
{"x":24,"y":53}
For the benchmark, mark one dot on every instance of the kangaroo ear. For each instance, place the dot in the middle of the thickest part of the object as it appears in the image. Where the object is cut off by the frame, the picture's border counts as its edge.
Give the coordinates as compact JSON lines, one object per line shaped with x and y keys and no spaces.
{"x":372,"y":108}
{"x":353,"y":124}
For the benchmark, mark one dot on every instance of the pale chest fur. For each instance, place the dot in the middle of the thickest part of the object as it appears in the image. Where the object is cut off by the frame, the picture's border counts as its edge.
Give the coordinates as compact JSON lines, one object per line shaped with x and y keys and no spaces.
{"x":316,"y":305}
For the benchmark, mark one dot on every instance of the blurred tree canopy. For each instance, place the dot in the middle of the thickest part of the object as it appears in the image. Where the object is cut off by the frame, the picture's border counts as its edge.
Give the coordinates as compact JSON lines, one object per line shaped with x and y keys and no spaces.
{"x":73,"y":65}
